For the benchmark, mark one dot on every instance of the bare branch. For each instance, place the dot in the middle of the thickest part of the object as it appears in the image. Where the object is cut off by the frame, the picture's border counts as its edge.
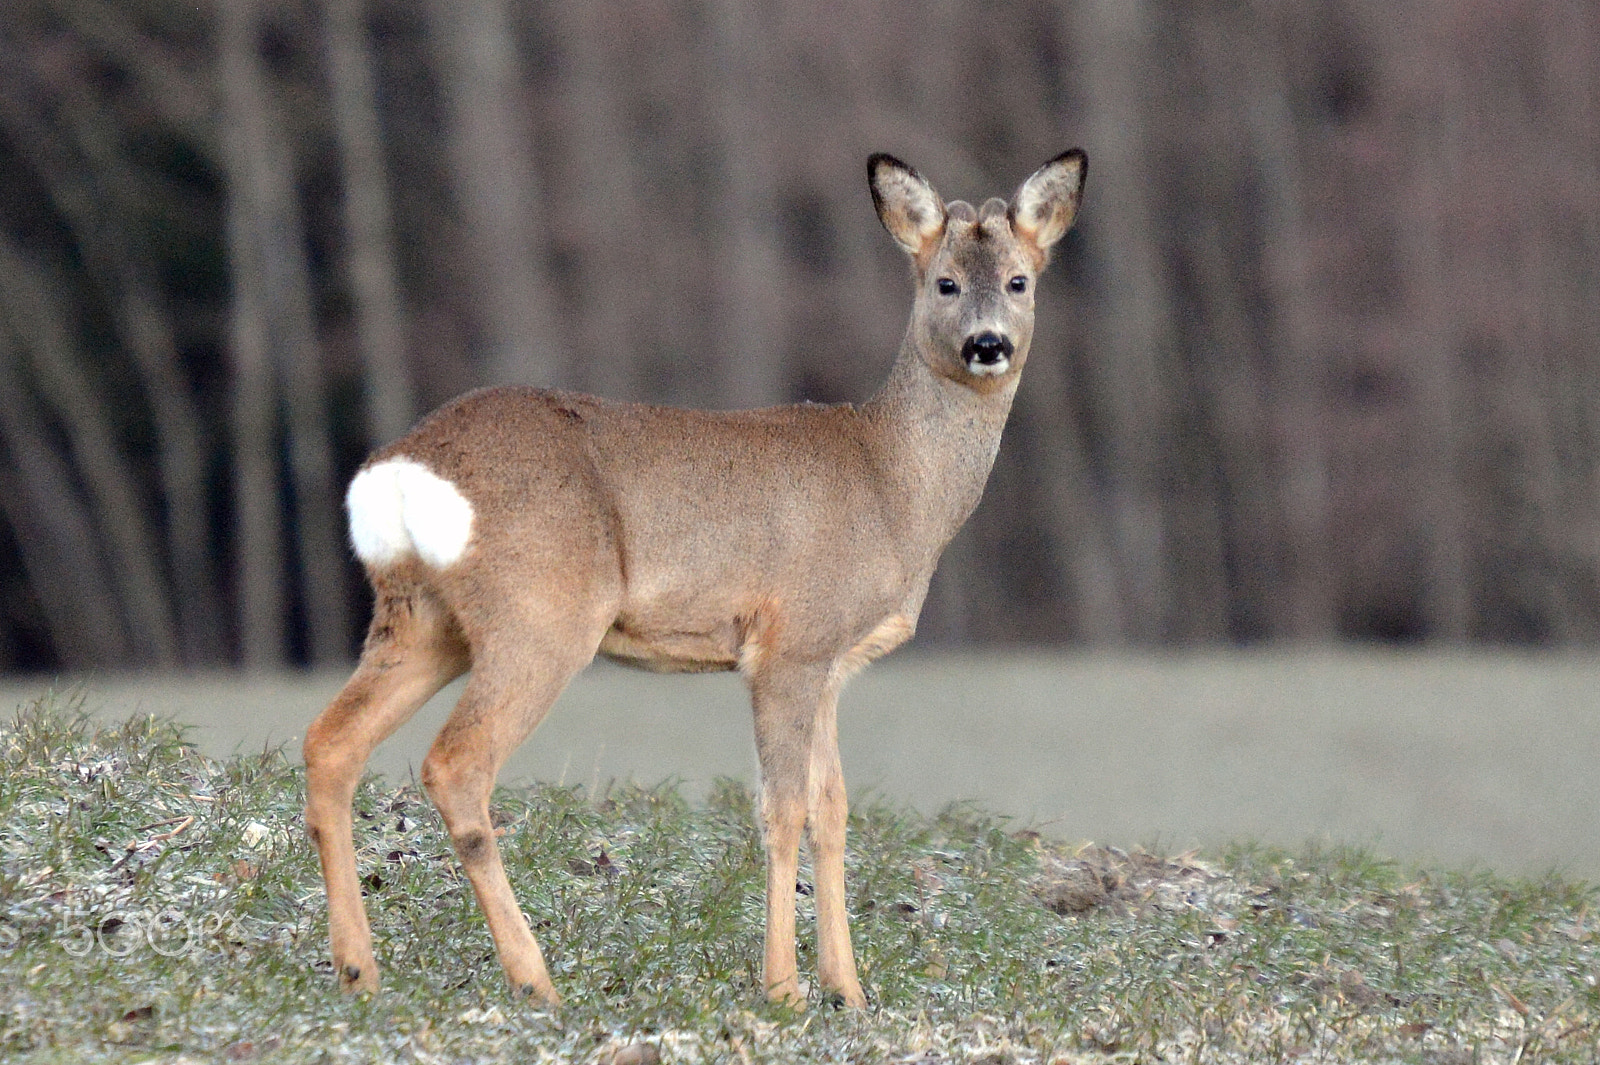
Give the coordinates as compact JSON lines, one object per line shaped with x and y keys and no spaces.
{"x":182,"y":99}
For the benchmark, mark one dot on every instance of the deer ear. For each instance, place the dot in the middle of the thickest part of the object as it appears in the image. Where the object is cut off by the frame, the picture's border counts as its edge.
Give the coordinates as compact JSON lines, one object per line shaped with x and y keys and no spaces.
{"x":1044,"y":207}
{"x":908,"y":206}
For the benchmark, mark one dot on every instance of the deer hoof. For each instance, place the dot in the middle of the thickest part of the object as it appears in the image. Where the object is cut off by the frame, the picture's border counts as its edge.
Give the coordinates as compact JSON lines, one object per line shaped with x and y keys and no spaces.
{"x":358,"y":980}
{"x":545,"y":995}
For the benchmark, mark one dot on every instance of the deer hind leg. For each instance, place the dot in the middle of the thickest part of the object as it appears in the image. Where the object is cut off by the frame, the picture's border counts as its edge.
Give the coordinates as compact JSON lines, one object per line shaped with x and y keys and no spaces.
{"x":413,"y":649}
{"x":512,"y":688}
{"x":828,"y":810}
{"x":785,"y":700}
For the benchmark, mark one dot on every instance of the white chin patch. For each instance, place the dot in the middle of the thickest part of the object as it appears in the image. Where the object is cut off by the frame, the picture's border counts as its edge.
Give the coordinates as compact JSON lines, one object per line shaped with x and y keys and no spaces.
{"x":988,"y":369}
{"x":400,"y":507}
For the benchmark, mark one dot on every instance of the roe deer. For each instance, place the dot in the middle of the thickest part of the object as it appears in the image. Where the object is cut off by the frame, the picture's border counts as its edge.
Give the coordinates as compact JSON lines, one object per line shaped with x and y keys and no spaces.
{"x":517,"y":532}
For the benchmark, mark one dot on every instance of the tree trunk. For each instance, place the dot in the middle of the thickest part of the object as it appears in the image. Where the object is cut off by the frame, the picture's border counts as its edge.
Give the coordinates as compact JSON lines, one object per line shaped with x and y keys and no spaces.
{"x":94,"y":211}
{"x":1236,"y":423}
{"x":55,"y":534}
{"x":1131,"y":331}
{"x":121,"y":516}
{"x":259,"y":580}
{"x":491,"y":154}
{"x":1307,"y":593}
{"x":749,"y":319}
{"x":1434,"y":142}
{"x":369,"y":253}
{"x":163,"y":82}
{"x":604,"y":228}
{"x":261,"y":176}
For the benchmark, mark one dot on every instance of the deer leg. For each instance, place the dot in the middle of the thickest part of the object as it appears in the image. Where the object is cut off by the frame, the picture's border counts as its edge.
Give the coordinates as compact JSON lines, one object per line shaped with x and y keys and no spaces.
{"x":836,"y":963}
{"x":412,"y":651}
{"x":785,"y":700}
{"x":504,"y":702}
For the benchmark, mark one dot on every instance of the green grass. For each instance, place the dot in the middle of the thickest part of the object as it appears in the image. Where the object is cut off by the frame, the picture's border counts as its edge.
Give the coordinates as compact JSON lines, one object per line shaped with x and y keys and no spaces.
{"x":156,"y":905}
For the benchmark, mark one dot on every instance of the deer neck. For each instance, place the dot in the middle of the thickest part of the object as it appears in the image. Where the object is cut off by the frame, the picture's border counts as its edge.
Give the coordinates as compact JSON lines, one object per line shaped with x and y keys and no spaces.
{"x":936,"y":440}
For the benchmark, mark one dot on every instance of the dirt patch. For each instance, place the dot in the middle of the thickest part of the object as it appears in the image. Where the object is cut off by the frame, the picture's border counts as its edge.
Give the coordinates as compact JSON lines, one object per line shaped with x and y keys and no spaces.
{"x":1090,"y":877}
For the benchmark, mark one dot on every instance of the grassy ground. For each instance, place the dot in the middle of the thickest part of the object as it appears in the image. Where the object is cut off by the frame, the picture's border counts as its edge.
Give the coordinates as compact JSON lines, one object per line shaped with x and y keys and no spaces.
{"x":156,"y":905}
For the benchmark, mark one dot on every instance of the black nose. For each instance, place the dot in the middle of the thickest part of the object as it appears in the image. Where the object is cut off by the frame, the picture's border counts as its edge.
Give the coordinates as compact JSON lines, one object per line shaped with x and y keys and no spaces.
{"x":986,"y":348}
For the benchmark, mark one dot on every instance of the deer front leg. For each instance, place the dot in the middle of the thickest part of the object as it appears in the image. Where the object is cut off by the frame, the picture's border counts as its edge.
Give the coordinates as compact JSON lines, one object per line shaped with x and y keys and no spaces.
{"x":836,"y":963}
{"x":786,"y":699}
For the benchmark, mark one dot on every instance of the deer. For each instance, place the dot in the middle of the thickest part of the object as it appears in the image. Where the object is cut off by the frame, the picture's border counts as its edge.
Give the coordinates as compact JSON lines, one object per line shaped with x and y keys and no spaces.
{"x":516,"y":533}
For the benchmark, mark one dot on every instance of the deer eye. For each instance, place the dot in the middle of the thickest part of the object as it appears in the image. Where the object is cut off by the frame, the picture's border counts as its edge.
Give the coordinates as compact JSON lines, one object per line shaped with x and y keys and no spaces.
{"x":948,"y":287}
{"x":1019,"y":284}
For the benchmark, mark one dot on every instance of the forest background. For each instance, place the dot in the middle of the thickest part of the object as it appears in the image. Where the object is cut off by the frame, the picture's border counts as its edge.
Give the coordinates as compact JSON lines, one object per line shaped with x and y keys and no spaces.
{"x":1319,"y":361}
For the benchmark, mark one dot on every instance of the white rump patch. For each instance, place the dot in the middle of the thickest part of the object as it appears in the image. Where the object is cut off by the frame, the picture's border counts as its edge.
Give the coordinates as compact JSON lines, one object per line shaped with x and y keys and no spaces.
{"x":399,"y":507}
{"x":376,"y":509}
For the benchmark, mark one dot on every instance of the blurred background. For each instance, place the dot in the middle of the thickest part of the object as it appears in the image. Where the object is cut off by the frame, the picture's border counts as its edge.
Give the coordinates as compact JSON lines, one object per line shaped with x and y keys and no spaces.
{"x":1318,"y":364}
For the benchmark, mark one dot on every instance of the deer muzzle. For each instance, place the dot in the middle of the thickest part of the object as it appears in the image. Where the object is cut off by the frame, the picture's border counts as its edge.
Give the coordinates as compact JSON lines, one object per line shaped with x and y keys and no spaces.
{"x":987,"y":353}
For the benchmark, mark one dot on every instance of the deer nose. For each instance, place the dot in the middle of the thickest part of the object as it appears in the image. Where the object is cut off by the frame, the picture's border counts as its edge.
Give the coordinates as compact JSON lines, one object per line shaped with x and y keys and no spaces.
{"x":986,"y":349}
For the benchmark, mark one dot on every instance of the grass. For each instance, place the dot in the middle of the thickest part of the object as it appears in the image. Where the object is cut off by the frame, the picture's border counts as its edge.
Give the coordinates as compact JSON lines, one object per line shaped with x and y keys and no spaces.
{"x":157,"y":905}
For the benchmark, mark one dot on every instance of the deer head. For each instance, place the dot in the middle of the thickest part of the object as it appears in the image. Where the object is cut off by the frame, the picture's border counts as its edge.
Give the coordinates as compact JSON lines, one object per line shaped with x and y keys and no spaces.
{"x":975,"y":269}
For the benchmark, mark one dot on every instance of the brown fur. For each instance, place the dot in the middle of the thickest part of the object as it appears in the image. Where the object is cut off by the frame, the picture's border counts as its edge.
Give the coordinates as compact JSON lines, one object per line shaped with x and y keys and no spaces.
{"x":792,"y":543}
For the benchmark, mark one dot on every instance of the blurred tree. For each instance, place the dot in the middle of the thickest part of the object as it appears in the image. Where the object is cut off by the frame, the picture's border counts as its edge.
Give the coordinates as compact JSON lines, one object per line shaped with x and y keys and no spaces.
{"x":1131,"y":320}
{"x":53,"y":531}
{"x":61,"y":376}
{"x":601,"y":229}
{"x":496,"y":184}
{"x":274,"y":303}
{"x":1319,"y":360}
{"x":373,"y":277}
{"x":259,"y":578}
